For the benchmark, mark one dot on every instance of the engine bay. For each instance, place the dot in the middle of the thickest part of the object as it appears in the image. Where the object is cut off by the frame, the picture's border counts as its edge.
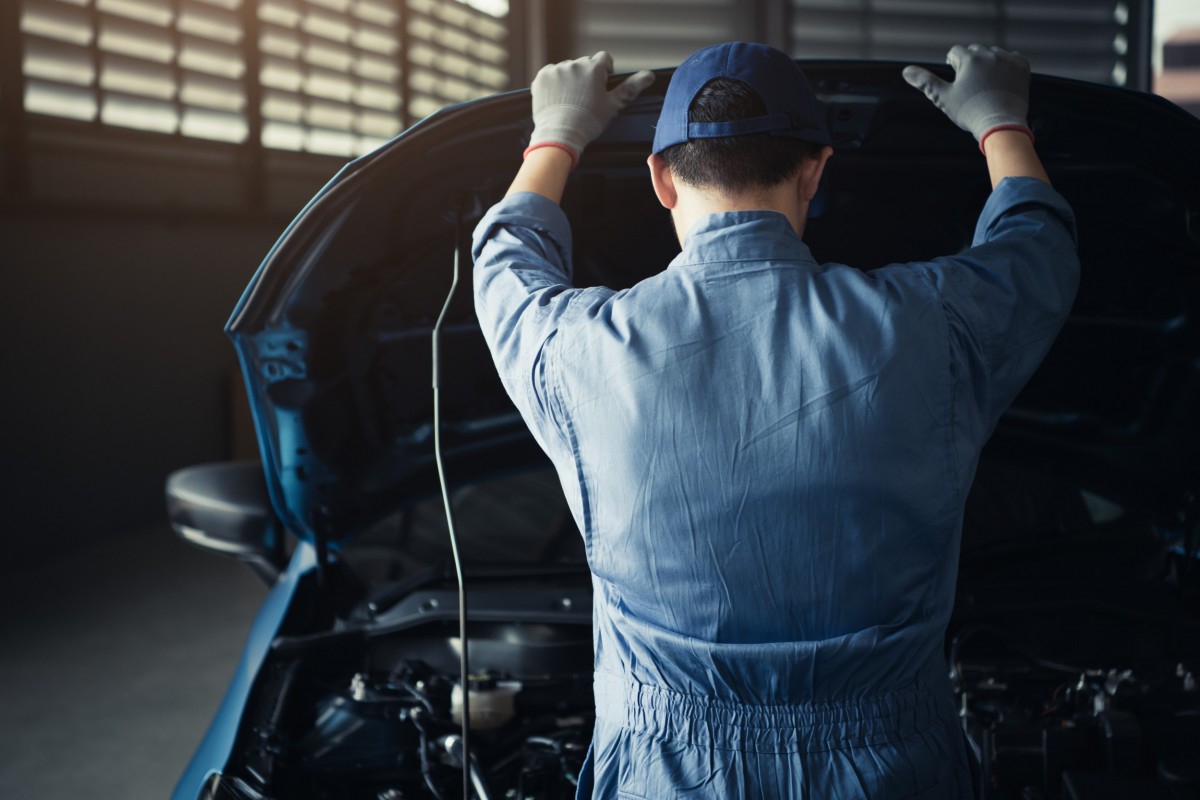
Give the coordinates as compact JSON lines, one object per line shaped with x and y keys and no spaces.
{"x":1074,"y":644}
{"x":1043,"y":729}
{"x":394,"y":733}
{"x":1074,"y":653}
{"x":336,"y":720}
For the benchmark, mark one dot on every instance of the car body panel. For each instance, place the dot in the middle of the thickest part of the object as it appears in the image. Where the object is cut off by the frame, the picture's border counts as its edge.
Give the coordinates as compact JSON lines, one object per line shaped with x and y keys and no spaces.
{"x":217,"y":745}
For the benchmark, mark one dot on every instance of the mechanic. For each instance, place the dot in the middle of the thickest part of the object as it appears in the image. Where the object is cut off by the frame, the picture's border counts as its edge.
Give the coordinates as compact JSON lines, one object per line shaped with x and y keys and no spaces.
{"x":768,"y":457}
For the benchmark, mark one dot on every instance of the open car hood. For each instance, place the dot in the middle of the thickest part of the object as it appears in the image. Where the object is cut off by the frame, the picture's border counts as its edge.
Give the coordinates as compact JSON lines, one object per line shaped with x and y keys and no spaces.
{"x":334,"y":330}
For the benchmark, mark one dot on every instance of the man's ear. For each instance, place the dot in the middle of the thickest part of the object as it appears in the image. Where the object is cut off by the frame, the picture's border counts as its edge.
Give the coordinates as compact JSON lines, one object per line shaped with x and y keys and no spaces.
{"x":663,"y":180}
{"x":809,"y":177}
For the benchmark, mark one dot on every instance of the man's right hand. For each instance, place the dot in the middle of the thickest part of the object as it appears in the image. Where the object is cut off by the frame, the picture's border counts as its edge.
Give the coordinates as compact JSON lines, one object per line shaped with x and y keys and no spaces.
{"x":990,"y":91}
{"x":572,"y":104}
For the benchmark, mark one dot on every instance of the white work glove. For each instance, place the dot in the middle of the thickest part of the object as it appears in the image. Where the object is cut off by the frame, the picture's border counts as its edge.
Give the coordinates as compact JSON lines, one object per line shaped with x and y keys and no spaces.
{"x":990,"y":91}
{"x":572,"y":104}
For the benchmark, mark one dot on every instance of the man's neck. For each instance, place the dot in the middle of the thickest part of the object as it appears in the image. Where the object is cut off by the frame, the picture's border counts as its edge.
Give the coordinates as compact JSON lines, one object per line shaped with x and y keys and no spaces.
{"x":695,"y":203}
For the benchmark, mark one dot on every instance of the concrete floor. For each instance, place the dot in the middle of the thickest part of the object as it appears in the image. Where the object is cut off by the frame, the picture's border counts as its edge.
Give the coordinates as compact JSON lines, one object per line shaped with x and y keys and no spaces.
{"x":113,"y":659}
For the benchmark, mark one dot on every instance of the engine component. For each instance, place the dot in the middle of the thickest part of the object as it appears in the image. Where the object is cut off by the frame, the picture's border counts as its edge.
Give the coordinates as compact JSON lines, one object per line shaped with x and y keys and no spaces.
{"x":453,"y":745}
{"x":1044,"y":729}
{"x":491,"y":701}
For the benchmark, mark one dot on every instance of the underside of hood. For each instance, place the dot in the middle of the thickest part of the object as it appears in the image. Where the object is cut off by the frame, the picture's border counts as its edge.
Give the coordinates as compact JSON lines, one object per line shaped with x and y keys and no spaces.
{"x":334,"y":330}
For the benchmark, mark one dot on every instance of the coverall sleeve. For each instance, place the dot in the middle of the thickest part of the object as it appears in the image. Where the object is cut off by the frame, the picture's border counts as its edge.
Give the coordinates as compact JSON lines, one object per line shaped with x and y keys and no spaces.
{"x":523,"y":293}
{"x":1008,"y":295}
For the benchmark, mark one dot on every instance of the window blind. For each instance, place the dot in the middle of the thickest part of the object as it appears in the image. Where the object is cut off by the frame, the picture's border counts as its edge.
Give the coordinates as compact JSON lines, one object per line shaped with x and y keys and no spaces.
{"x":337,"y":77}
{"x":1095,"y":40}
{"x":171,"y":66}
{"x":657,"y":33}
{"x":1098,"y":40}
{"x":457,"y":51}
{"x":329,"y":74}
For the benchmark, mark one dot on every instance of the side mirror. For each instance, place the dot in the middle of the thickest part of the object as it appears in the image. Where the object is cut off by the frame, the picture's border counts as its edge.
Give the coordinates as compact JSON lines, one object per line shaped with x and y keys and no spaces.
{"x":225,"y":508}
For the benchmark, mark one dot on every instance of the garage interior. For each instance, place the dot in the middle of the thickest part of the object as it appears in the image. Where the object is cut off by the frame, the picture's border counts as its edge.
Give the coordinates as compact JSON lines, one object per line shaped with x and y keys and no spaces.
{"x":152,"y":152}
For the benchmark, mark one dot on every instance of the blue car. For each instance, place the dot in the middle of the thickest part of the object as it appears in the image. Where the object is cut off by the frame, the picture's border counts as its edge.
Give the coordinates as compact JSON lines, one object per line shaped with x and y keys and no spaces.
{"x":1075,"y":642}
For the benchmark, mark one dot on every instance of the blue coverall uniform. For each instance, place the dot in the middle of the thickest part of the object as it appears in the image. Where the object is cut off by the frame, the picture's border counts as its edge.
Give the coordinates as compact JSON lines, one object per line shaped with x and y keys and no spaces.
{"x":768,"y":459}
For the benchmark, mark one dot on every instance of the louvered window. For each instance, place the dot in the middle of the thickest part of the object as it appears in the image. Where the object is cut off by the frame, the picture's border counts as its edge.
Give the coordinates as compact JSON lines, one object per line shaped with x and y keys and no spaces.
{"x":1105,"y":41}
{"x":457,"y":51}
{"x":655,"y":33}
{"x":330,"y":74}
{"x":159,"y":65}
{"x":327,"y":76}
{"x":1095,"y":40}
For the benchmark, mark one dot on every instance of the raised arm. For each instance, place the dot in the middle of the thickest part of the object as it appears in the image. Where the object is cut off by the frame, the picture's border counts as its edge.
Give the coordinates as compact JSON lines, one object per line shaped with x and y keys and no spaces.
{"x":572,"y":105}
{"x":522,"y":246}
{"x":989,"y":97}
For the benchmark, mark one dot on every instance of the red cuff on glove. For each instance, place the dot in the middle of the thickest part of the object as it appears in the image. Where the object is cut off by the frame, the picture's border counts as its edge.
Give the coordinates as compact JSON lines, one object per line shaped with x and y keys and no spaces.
{"x":1022,"y":128}
{"x":564,"y":148}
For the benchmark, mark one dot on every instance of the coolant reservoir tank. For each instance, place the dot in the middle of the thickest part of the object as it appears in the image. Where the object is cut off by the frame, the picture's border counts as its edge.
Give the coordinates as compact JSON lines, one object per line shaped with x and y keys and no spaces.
{"x":492,"y":701}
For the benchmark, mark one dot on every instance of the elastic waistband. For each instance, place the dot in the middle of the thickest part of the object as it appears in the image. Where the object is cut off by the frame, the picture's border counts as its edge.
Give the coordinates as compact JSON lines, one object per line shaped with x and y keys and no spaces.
{"x":800,"y":728}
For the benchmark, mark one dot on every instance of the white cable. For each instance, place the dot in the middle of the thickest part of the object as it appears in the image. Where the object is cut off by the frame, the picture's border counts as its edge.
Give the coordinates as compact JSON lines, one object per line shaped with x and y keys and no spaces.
{"x":458,"y":567}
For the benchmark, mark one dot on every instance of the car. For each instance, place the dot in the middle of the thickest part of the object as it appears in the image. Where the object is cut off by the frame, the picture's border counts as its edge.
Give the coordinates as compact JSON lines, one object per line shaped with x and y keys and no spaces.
{"x":1074,"y":647}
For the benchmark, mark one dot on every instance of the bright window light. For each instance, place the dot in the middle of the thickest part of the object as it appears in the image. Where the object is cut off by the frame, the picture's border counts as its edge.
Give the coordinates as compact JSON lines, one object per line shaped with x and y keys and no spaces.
{"x":380,"y":14}
{"x":283,"y":136}
{"x":212,"y":93}
{"x":206,"y":124}
{"x":55,"y":62}
{"x":148,"y":11}
{"x":118,"y":39}
{"x":62,"y":23}
{"x":331,"y":143}
{"x":279,"y":12}
{"x":60,"y":101}
{"x":137,"y":79}
{"x":213,"y":58}
{"x":146,"y":115}
{"x":493,"y":8}
{"x":210,"y":24}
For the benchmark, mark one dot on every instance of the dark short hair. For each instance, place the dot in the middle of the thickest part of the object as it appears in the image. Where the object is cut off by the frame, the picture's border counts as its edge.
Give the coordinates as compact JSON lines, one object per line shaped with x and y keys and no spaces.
{"x":734,"y":163}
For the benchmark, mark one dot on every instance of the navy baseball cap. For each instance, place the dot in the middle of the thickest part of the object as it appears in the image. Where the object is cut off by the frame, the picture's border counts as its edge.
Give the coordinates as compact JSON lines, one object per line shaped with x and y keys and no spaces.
{"x":793,"y":110}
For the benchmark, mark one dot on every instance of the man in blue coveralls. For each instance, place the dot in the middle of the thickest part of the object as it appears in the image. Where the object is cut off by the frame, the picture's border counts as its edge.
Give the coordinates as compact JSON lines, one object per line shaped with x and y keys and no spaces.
{"x":768,"y":457}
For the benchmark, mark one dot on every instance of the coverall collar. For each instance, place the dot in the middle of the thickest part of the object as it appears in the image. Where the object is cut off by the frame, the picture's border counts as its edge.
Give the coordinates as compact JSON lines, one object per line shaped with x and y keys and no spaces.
{"x":742,"y":236}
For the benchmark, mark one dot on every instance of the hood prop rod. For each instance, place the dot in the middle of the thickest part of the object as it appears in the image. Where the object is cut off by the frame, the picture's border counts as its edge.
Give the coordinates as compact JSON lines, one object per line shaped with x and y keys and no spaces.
{"x":463,"y":667}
